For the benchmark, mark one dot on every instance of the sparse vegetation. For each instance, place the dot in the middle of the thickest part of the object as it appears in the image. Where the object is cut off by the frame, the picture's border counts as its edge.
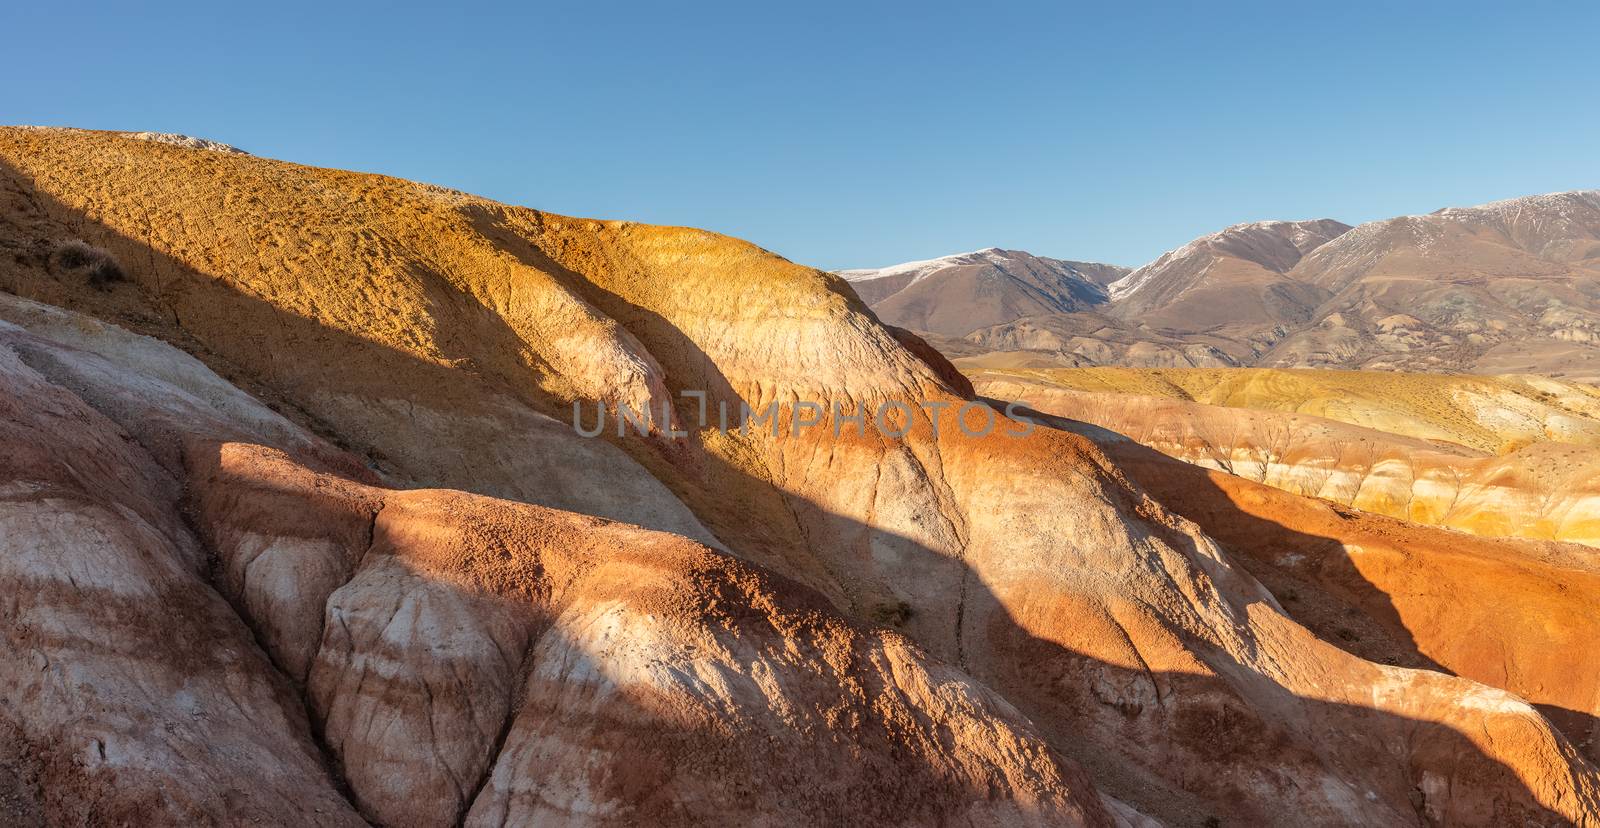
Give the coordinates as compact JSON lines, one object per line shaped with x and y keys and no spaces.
{"x":96,"y":265}
{"x":894,"y":614}
{"x":76,"y":255}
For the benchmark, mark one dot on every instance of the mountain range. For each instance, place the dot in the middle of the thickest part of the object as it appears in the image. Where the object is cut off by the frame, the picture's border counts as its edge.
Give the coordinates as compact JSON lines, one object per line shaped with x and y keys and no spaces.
{"x":1506,"y":287}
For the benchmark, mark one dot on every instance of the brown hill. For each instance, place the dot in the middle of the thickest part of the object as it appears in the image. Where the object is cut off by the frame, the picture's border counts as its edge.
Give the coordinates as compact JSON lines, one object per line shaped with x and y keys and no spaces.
{"x":1071,"y":340}
{"x":1393,"y":590}
{"x":1506,"y":287}
{"x":1232,"y":282}
{"x":955,"y":295}
{"x":523,"y":661}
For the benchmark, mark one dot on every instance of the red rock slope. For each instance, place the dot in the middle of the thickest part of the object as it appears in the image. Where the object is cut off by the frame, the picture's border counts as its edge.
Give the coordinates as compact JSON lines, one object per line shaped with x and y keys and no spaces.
{"x":424,"y":657}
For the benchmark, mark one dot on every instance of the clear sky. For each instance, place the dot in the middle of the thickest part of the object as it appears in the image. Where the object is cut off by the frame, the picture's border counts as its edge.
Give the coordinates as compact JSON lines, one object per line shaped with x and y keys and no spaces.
{"x":862,"y":134}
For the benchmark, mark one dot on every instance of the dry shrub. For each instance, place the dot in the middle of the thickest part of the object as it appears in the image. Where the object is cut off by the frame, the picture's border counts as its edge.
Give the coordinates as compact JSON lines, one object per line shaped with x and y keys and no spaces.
{"x":98,"y":267}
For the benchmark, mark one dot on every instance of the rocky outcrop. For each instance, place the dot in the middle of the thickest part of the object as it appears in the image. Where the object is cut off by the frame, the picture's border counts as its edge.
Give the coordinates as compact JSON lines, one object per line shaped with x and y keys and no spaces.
{"x":189,"y":141}
{"x":129,"y":691}
{"x":515,"y":665}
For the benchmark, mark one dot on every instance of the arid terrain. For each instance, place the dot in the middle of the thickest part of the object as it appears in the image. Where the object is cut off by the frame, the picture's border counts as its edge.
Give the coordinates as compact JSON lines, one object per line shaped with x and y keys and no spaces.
{"x":1364,"y":465}
{"x":1494,"y":456}
{"x":1507,"y":287}
{"x":297,"y":528}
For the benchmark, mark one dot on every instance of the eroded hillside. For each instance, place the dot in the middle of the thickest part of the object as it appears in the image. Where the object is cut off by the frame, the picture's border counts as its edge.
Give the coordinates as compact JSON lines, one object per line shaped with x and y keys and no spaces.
{"x":437,"y":657}
{"x":1495,"y":456}
{"x":1492,"y":415}
{"x":1063,"y":647}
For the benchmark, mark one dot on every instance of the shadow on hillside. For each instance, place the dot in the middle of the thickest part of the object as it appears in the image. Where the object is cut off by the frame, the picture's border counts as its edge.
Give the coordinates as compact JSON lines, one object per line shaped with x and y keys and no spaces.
{"x":1313,"y":576}
{"x":1188,"y":747}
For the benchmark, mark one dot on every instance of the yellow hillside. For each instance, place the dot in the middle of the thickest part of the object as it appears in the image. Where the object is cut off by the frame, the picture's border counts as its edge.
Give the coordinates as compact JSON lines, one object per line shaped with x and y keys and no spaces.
{"x":1492,"y":414}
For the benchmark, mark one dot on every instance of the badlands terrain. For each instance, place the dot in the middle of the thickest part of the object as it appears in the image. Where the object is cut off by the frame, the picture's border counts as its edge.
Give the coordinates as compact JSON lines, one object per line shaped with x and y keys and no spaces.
{"x":1494,"y":456}
{"x":296,"y":529}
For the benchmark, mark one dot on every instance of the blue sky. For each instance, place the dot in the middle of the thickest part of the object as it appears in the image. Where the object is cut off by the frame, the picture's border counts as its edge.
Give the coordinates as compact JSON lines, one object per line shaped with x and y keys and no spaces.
{"x":861,"y":134}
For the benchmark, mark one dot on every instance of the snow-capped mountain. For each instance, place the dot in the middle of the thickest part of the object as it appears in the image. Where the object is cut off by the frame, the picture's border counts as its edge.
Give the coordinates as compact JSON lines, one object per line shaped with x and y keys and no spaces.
{"x":1507,"y":286}
{"x":958,"y":294}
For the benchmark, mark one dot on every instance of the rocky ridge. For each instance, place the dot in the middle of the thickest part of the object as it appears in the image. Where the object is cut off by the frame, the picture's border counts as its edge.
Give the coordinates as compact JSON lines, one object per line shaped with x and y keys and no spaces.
{"x":1507,"y":287}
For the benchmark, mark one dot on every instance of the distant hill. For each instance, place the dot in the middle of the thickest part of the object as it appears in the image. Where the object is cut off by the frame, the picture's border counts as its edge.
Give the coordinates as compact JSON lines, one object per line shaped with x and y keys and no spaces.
{"x":1507,"y":287}
{"x":1235,"y":278}
{"x":958,"y":294}
{"x":1512,"y":286}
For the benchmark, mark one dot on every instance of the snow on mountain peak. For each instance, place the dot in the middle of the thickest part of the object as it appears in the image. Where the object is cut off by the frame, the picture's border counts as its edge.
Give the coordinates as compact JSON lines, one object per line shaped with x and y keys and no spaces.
{"x":923,"y":267}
